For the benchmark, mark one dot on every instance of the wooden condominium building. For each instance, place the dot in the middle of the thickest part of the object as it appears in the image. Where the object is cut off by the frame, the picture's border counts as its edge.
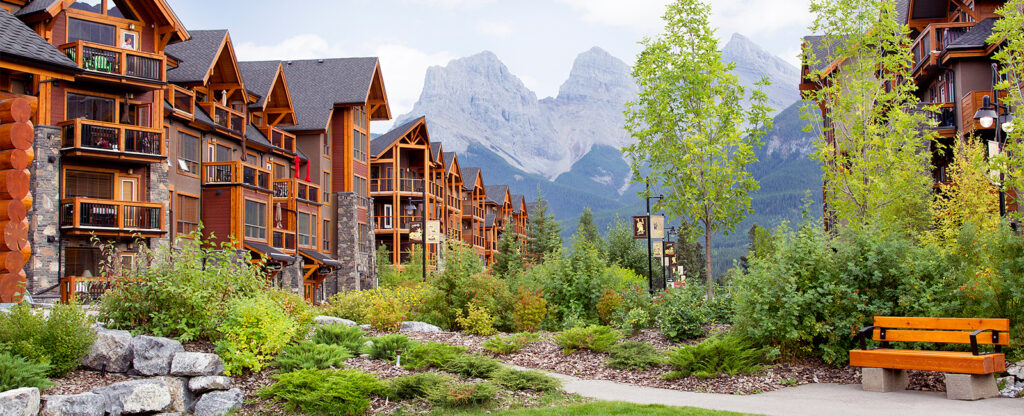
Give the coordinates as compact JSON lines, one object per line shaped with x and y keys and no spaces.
{"x":952,"y":68}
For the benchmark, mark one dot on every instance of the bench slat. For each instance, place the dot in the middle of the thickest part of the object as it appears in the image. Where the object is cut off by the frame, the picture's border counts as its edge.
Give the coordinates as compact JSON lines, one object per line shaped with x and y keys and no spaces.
{"x":961,"y":324}
{"x":942,"y":361}
{"x":949,"y":337}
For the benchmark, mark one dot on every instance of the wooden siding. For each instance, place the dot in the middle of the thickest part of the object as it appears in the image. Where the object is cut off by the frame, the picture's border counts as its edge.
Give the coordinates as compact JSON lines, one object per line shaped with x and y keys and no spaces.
{"x":216,"y":214}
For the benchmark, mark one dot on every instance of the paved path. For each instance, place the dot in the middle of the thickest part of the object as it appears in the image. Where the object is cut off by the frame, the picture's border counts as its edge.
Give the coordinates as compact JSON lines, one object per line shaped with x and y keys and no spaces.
{"x":808,"y":399}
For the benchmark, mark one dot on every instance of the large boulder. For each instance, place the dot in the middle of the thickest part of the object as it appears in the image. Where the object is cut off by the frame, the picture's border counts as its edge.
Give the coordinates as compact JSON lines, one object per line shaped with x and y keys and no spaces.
{"x":85,"y":404}
{"x":416,"y":326}
{"x":20,"y":402}
{"x":152,"y":356}
{"x":330,"y":320}
{"x":135,"y":396}
{"x":218,"y":403}
{"x":206,"y":383}
{"x":181,"y":397}
{"x":196,"y":364}
{"x":1016,"y":370}
{"x":112,"y":351}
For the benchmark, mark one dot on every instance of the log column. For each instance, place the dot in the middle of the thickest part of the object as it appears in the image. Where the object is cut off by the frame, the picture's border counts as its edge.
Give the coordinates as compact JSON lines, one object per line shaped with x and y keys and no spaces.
{"x":16,"y":137}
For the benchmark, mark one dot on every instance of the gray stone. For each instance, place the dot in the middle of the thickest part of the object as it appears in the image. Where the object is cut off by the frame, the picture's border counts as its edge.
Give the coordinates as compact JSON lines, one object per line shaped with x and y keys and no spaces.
{"x":20,"y":402}
{"x":206,"y":383}
{"x":196,"y":364}
{"x":970,"y":386}
{"x":217,"y":403}
{"x":152,"y":356}
{"x":883,"y":380}
{"x":42,"y":269}
{"x":416,"y":326}
{"x":85,"y":404}
{"x":135,"y":396}
{"x":330,"y":320}
{"x":181,"y":397}
{"x":365,"y":327}
{"x":1015,"y":370}
{"x":110,"y":352}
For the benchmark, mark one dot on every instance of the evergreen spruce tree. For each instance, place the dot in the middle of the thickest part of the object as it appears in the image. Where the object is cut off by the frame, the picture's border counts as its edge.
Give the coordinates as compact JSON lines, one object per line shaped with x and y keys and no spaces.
{"x":545,"y":233}
{"x":508,"y":262}
{"x":586,"y":229}
{"x":625,"y":251}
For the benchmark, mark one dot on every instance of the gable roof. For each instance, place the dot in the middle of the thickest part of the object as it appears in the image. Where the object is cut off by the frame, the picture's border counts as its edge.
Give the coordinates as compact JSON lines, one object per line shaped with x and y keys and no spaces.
{"x":259,"y":77}
{"x":319,"y":85}
{"x":196,"y":56}
{"x":36,"y":6}
{"x":450,"y":161}
{"x":976,"y":36}
{"x":158,"y":9}
{"x":435,"y":151}
{"x":21,"y":44}
{"x":518,"y":202}
{"x":496,"y":193}
{"x":384,"y":141}
{"x":472,"y":173}
{"x":265,"y":79}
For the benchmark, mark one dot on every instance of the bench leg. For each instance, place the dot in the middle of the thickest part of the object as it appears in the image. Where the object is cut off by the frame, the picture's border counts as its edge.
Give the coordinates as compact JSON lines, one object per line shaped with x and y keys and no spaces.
{"x":883,"y":379}
{"x":970,"y":386}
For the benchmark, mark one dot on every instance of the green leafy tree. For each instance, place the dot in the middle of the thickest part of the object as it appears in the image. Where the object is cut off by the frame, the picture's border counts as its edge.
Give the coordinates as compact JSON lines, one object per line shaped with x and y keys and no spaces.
{"x":692,"y":130}
{"x":760,"y":245}
{"x":875,"y":147}
{"x":968,"y":199}
{"x":1008,"y":33}
{"x":508,"y":261}
{"x":625,"y":251}
{"x":586,"y":229}
{"x":545,"y":233}
{"x":690,"y":255}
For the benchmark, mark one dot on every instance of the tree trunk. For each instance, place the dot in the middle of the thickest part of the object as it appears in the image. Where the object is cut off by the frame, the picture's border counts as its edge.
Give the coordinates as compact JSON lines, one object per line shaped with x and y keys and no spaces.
{"x":707,"y":259}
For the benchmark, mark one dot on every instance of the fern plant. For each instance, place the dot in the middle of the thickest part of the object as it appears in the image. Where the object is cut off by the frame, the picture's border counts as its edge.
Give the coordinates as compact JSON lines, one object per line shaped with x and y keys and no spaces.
{"x":350,"y":337}
{"x":308,"y":354}
{"x":724,"y":354}
{"x":17,"y":372}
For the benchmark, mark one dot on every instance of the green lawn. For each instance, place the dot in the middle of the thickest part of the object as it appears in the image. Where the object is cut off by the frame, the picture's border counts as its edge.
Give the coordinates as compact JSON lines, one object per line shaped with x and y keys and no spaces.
{"x":603,"y":409}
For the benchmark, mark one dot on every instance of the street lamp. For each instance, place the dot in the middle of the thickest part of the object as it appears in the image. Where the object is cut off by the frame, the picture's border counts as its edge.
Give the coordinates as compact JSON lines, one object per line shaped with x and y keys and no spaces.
{"x":992,"y":112}
{"x":650,"y":245}
{"x":410,"y":209}
{"x":668,"y":234}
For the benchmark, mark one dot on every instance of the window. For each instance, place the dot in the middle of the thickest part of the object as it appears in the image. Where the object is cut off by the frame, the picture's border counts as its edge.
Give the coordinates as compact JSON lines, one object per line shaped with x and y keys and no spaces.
{"x":359,"y":145}
{"x":82,"y":261}
{"x":188,"y":214}
{"x":388,"y":214}
{"x":359,"y":117}
{"x":304,"y":229}
{"x":90,"y":107}
{"x":280,"y":171}
{"x":85,"y":184}
{"x":360,"y":186}
{"x":79,"y":29}
{"x":326,"y":187}
{"x":188,"y":153}
{"x":327,"y":144}
{"x":223,"y":153}
{"x":255,"y":220}
{"x":364,"y":245}
{"x":326,"y":235}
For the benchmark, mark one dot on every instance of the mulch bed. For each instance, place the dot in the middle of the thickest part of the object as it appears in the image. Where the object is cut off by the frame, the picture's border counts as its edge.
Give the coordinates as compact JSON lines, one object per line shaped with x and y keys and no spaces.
{"x":83,"y":381}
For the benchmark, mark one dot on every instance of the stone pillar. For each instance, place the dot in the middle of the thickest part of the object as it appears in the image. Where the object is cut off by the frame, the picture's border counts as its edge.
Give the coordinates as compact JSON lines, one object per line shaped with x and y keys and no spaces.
{"x":291,"y":276}
{"x":159,"y":193}
{"x":43,"y":269}
{"x":358,"y":258}
{"x":970,"y":386}
{"x":883,"y":380}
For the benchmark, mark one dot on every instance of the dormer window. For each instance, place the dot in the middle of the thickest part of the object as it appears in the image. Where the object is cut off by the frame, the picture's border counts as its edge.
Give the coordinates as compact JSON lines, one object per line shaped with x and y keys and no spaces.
{"x":79,"y":29}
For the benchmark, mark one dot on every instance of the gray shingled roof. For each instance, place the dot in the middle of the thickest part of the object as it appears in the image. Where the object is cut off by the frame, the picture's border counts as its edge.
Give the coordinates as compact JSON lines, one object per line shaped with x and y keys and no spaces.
{"x":489,"y":220}
{"x":300,"y":154}
{"x":382,"y":142}
{"x":195,"y":55}
{"x":36,"y":6}
{"x":902,"y":11}
{"x":435,"y":150}
{"x":449,"y":158}
{"x":496,"y":193}
{"x":21,"y":44}
{"x":258,"y":76}
{"x":253,"y":134}
{"x":531,"y":207}
{"x":976,"y":37}
{"x":517,"y":202}
{"x":469,"y":178}
{"x":318,"y":85}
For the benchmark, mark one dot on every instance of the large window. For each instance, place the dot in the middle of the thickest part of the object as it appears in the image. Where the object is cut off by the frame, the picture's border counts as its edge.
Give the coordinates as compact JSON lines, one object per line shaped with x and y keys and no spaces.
{"x":304,"y":229}
{"x":255,"y":220}
{"x":86,"y":184}
{"x":188,"y":214}
{"x":325,"y":186}
{"x":359,"y":145}
{"x":360,"y":185}
{"x":326,"y":236}
{"x":79,"y":29}
{"x":90,"y":107}
{"x":188,"y":153}
{"x":82,"y":261}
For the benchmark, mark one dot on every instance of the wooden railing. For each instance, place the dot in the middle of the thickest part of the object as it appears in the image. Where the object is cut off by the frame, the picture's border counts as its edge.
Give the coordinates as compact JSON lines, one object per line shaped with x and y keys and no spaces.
{"x":225,"y":117}
{"x":436,"y":189}
{"x":83,"y":289}
{"x":280,"y":138}
{"x":236,"y":173}
{"x":296,"y":188}
{"x":469,"y":209}
{"x":935,"y":38}
{"x":95,"y":57}
{"x":473,"y":240}
{"x":405,"y":222}
{"x":88,"y":213}
{"x":111,"y":137}
{"x":453,"y":200}
{"x":181,"y":98}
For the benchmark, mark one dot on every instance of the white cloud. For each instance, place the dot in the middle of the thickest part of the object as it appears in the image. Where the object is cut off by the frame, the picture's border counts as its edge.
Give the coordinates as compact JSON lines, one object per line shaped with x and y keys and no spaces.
{"x":305,"y":46}
{"x":404,"y":69}
{"x":450,"y":4}
{"x":641,"y":15}
{"x":494,"y":28}
{"x":750,"y":17}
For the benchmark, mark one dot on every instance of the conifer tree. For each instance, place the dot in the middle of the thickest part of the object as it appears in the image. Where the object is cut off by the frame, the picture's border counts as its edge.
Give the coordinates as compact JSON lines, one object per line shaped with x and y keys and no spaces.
{"x":508,"y":262}
{"x":586,"y":229}
{"x":545,"y":233}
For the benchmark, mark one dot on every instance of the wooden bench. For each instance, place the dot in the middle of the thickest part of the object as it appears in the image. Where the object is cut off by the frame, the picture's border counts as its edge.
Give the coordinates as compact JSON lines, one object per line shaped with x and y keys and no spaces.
{"x":969,"y":375}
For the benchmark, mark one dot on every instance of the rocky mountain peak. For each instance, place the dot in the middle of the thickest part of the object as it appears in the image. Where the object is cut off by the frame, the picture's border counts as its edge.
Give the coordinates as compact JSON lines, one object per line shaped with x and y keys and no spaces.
{"x":596,"y":74}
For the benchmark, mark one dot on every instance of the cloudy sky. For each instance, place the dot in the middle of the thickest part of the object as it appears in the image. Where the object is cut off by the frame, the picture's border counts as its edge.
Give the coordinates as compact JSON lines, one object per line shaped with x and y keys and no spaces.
{"x":536,"y":39}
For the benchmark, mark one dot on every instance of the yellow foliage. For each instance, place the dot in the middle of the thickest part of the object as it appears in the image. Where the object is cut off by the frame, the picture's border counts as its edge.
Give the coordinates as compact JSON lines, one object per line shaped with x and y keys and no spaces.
{"x":968,"y":198}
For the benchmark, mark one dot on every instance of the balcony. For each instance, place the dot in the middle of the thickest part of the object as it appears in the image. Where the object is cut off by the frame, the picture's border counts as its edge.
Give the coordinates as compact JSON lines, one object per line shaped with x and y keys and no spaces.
{"x":469,"y":209}
{"x":97,"y":58}
{"x":933,"y":40}
{"x":181,"y":99}
{"x":296,"y":188}
{"x":119,"y":141}
{"x":944,"y":117}
{"x":226,"y":118}
{"x":453,"y":201}
{"x":471,"y":239}
{"x":236,"y":173}
{"x":280,"y":138}
{"x":88,"y":215}
{"x":436,"y":190}
{"x":83,"y":289}
{"x":405,"y":222}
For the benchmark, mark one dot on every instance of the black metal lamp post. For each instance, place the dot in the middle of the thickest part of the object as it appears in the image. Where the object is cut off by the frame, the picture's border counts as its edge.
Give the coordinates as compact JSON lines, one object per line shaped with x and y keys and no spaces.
{"x":650,"y":248}
{"x":669,"y":232}
{"x":992,"y":112}
{"x":410,"y":209}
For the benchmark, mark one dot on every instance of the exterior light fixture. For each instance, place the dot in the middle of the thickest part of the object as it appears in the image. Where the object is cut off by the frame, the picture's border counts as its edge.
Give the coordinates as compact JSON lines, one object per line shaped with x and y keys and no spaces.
{"x":986,"y":115}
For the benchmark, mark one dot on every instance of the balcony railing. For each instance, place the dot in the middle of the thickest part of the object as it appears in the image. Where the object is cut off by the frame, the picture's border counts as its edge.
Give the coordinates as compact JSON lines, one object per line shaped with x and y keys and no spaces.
{"x":453,"y":201}
{"x":280,"y":138}
{"x":225,"y":117}
{"x":182,"y":99}
{"x":235,"y":173}
{"x":405,"y":222}
{"x":471,"y":239}
{"x":944,"y":116}
{"x":935,"y":38}
{"x":469,"y":209}
{"x":111,"y":137}
{"x":83,"y":289}
{"x":102,"y":214}
{"x":106,"y":59}
{"x":380,"y":184}
{"x":296,"y":188}
{"x":436,"y":190}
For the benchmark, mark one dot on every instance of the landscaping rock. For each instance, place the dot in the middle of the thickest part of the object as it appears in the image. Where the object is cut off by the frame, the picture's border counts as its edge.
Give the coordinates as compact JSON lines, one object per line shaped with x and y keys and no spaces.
{"x":152,"y":356}
{"x":196,"y":364}
{"x":20,"y":402}
{"x":1016,"y":370}
{"x":218,"y":403}
{"x":206,"y":383}
{"x":330,"y":320}
{"x":110,"y":352}
{"x":365,"y":327}
{"x":181,"y":397}
{"x":416,"y":326}
{"x":136,"y":396}
{"x":85,"y":404}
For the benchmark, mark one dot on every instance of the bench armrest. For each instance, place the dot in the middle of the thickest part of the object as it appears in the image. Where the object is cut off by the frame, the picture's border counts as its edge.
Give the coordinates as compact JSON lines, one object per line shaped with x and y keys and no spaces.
{"x":974,"y":340}
{"x":863,"y":334}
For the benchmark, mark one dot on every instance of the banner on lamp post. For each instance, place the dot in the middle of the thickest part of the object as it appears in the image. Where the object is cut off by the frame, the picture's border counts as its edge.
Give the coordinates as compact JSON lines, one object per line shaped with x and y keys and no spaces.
{"x":656,"y":249}
{"x":433,"y":232}
{"x":658,"y":226}
{"x":640,"y":227}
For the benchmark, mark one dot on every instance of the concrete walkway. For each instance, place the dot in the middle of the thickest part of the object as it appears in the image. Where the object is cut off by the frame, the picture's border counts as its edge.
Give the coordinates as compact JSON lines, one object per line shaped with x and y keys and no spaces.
{"x":808,"y":399}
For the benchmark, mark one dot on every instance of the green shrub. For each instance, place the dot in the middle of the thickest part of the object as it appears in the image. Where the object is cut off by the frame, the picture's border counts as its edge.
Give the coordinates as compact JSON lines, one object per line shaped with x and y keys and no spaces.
{"x":59,"y":341}
{"x":416,"y":385}
{"x":462,"y":394}
{"x":719,"y":307}
{"x":384,"y":347}
{"x":351,"y":305}
{"x":296,"y":307}
{"x":350,"y":337}
{"x":465,"y":281}
{"x":477,"y":321}
{"x":324,"y":392}
{"x":724,"y":354}
{"x":509,"y":344}
{"x":17,"y":372}
{"x":312,"y":355}
{"x":431,"y":354}
{"x":573,"y":282}
{"x":513,"y":379}
{"x":255,"y":330}
{"x":608,"y":306}
{"x":472,"y":366}
{"x":632,"y":355}
{"x":635,"y":320}
{"x":594,"y":337}
{"x":682,"y":313}
{"x":181,"y":292}
{"x":529,"y":310}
